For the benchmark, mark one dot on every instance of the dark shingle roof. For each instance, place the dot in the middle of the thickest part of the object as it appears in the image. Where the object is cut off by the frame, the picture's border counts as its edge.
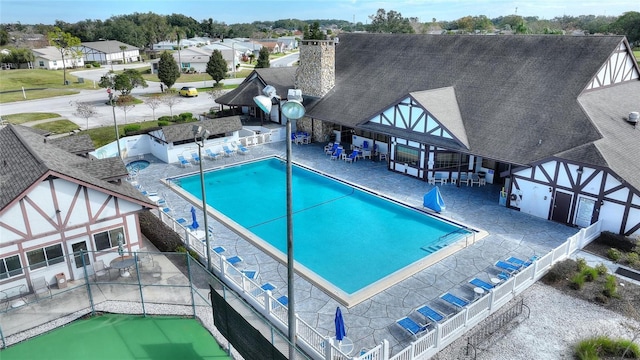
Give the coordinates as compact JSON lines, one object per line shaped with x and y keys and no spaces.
{"x":512,"y":91}
{"x":76,"y":144}
{"x":181,"y":132}
{"x":26,"y":157}
{"x":610,"y":107}
{"x":282,"y":78}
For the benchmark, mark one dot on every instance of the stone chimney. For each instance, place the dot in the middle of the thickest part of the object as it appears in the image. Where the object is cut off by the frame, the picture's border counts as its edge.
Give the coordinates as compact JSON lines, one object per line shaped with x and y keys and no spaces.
{"x":316,"y":74}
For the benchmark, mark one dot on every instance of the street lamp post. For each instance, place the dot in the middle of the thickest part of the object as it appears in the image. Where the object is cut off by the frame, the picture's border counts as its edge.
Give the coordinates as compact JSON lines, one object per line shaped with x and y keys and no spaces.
{"x":115,"y":123}
{"x":292,"y":109}
{"x":198,"y":131}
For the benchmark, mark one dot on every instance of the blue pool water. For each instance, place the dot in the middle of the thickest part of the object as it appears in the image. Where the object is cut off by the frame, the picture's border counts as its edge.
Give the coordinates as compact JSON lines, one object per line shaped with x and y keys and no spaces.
{"x":345,"y":235}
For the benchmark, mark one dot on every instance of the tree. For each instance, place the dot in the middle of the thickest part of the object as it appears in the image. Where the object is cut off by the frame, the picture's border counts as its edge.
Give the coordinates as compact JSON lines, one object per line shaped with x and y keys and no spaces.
{"x":217,"y":66}
{"x":629,"y":25}
{"x":154,"y":102}
{"x":4,"y":37}
{"x":263,"y":58}
{"x":313,"y":32}
{"x":123,"y":48}
{"x":125,"y":103}
{"x":170,"y":99}
{"x":391,"y":22}
{"x":123,"y":82}
{"x":85,"y":110}
{"x":66,"y":43}
{"x":168,"y":71}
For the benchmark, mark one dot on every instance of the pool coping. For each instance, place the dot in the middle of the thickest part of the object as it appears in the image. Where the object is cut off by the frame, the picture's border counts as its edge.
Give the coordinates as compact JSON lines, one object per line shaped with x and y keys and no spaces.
{"x":346,"y":299}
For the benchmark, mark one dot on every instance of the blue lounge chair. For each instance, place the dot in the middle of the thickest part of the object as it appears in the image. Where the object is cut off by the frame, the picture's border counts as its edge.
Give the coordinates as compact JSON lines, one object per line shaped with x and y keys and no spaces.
{"x":352,"y":157}
{"x":242,"y":149}
{"x":185,"y":223}
{"x":263,"y":288}
{"x":411,"y":326}
{"x":336,"y":154}
{"x":284,"y":300}
{"x":332,"y":149}
{"x":503,"y":275}
{"x":183,"y":162}
{"x":211,"y":154}
{"x":505,"y":266}
{"x":454,"y":300}
{"x":251,"y":274}
{"x":234,"y":260}
{"x":195,"y":157}
{"x":521,"y":263}
{"x":227,"y":151}
{"x":365,"y":145}
{"x":429,"y":313}
{"x":481,"y":284}
{"x":218,"y":249}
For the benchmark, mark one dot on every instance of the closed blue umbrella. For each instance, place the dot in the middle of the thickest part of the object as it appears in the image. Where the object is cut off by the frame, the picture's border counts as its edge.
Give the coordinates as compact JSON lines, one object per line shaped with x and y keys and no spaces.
{"x":195,"y":224}
{"x":340,"y":331}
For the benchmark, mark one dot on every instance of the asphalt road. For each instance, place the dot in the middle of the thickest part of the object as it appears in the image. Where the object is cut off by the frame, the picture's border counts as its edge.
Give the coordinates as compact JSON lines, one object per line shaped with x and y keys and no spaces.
{"x":65,"y":105}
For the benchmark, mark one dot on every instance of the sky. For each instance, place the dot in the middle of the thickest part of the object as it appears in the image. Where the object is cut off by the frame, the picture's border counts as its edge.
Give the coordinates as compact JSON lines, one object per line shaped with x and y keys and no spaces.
{"x":247,"y":11}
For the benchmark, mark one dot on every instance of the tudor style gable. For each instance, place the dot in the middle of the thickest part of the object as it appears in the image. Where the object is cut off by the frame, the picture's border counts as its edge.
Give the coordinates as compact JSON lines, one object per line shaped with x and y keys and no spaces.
{"x":620,"y":67}
{"x":426,"y":114}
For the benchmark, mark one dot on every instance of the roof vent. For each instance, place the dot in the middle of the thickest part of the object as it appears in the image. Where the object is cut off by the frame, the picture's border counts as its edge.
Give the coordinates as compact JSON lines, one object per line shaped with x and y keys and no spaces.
{"x":633,"y":117}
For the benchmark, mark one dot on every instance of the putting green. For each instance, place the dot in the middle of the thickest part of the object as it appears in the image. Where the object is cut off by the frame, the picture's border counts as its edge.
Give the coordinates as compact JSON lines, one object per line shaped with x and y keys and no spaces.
{"x":121,"y":337}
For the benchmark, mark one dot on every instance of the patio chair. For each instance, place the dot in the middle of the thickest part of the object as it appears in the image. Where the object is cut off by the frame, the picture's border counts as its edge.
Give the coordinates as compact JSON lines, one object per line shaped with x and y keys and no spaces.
{"x":145,"y":258}
{"x":250,"y":274}
{"x":212,"y":155}
{"x":518,"y":262}
{"x":352,"y":157}
{"x":429,"y":313}
{"x":184,"y":222}
{"x":451,"y":299}
{"x":264,"y":288}
{"x":100,"y":270}
{"x":332,"y":149}
{"x":283,"y":300}
{"x":40,"y":286}
{"x":218,"y":249}
{"x":336,"y":154}
{"x":234,"y":260}
{"x":505,"y":266}
{"x":243,"y":150}
{"x":195,"y":157}
{"x":228,"y":151}
{"x":481,"y":284}
{"x":183,"y":162}
{"x":411,"y":326}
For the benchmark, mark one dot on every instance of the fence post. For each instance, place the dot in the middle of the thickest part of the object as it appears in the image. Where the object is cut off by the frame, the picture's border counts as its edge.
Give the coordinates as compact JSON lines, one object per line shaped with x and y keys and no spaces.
{"x":385,"y":349}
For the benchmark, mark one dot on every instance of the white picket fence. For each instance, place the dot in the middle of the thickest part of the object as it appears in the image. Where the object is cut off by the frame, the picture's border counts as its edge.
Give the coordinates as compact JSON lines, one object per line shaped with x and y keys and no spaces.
{"x":321,"y":347}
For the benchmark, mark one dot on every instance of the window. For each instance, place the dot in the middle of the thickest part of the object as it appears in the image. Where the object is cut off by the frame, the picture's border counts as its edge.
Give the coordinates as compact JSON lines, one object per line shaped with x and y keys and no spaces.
{"x":46,"y":256}
{"x":488,"y":163}
{"x":41,"y":63}
{"x":450,"y":160}
{"x":108,"y":239}
{"x":10,"y":266}
{"x":407,"y":155}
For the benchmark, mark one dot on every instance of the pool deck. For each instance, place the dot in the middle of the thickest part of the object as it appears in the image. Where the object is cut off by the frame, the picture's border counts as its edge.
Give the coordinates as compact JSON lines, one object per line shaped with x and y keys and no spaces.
{"x":509,"y":233}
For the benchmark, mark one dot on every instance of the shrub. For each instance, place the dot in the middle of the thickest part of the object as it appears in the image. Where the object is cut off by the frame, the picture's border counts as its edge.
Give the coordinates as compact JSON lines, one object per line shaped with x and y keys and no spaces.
{"x":614,"y":254}
{"x":160,"y":235}
{"x":602,"y":346}
{"x":577,"y":281}
{"x":88,"y":66}
{"x":610,"y":287}
{"x":602,"y":269}
{"x":633,"y":259}
{"x":166,"y":118}
{"x":163,"y":123}
{"x":185,"y":117}
{"x":132,"y":128}
{"x":589,"y":273}
{"x":95,"y":64}
{"x":581,"y":264}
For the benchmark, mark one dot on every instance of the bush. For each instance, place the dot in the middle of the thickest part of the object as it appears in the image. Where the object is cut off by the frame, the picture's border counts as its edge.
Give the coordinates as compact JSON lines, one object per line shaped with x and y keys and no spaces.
{"x":163,"y":123}
{"x":633,"y":259}
{"x":132,"y":128}
{"x":581,"y":264}
{"x":166,"y":118}
{"x":602,"y":269}
{"x":88,"y":66}
{"x":577,"y":281}
{"x":610,"y":287}
{"x":589,"y":273}
{"x":160,"y":235}
{"x":602,"y":346}
{"x":95,"y":64}
{"x":614,"y":254}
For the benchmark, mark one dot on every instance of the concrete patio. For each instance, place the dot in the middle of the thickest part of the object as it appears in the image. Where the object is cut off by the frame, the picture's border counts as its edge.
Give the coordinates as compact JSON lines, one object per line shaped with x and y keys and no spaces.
{"x":510,"y":233}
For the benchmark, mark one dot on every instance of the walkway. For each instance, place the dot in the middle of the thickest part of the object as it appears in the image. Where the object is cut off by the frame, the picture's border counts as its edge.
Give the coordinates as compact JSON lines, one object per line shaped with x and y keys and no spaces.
{"x":368,"y":323}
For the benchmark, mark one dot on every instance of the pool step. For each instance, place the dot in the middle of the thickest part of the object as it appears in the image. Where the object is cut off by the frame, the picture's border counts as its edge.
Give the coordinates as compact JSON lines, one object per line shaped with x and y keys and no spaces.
{"x":432,"y":248}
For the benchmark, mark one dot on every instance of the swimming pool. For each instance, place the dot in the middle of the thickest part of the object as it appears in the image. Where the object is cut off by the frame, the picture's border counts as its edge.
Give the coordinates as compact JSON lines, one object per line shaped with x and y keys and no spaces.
{"x":346,"y":240}
{"x":137,"y":165}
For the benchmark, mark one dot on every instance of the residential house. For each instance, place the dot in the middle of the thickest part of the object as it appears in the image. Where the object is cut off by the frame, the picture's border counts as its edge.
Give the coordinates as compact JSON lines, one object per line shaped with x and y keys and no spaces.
{"x":549,"y":120}
{"x":57,"y":201}
{"x":50,"y":58}
{"x":109,"y":52}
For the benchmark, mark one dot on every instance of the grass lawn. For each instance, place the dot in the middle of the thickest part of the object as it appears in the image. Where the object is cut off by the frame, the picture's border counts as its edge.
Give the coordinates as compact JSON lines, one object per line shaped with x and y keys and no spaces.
{"x":58,"y":126}
{"x":37,"y":83}
{"x":104,"y":135}
{"x":22,"y":118}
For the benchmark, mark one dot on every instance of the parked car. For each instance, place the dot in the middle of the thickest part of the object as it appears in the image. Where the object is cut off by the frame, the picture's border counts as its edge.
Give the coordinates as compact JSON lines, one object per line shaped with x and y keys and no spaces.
{"x":188,"y":91}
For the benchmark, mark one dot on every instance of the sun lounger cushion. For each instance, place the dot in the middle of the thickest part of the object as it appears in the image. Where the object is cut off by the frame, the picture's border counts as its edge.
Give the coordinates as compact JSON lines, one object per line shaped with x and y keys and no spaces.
{"x":454,"y":300}
{"x":430,"y":314}
{"x":481,"y":284}
{"x":411,"y":326}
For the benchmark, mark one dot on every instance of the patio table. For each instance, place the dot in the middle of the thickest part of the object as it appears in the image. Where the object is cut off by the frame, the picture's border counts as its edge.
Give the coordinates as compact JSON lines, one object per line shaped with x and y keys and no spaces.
{"x":123,"y":264}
